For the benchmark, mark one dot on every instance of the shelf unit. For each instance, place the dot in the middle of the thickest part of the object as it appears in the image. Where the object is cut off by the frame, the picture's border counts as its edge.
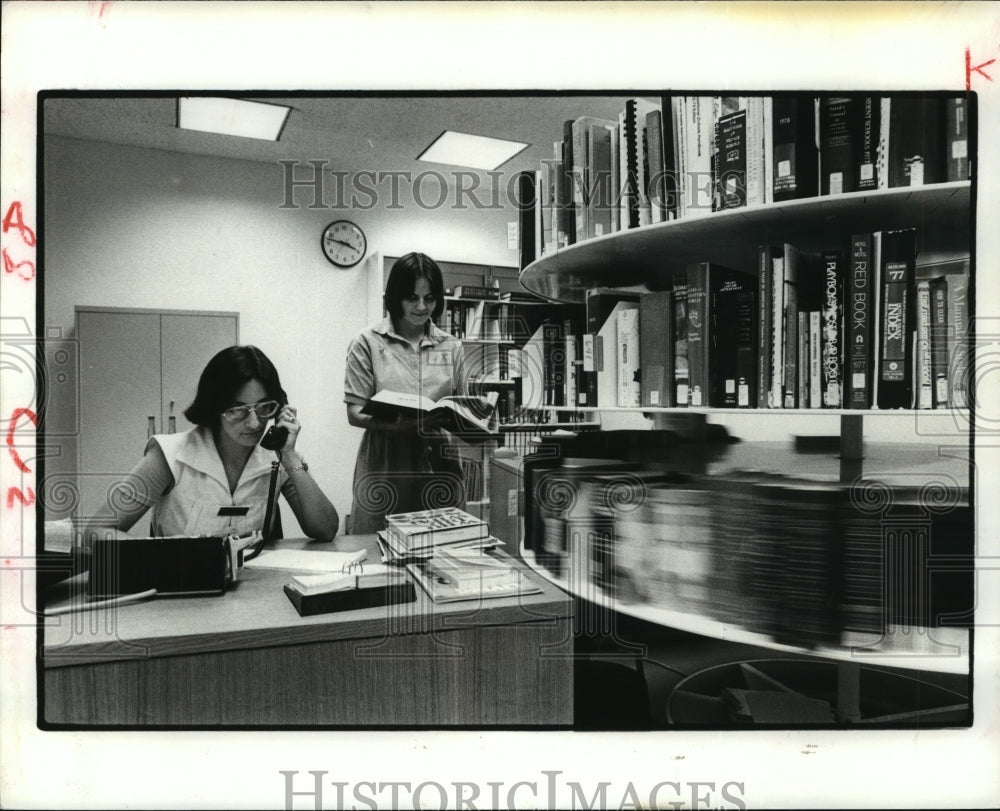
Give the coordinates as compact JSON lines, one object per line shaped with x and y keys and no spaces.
{"x":642,"y":256}
{"x":646,"y":258}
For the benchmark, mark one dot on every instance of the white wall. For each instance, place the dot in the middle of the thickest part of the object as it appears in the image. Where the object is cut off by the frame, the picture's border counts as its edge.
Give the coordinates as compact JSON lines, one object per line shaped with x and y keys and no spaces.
{"x":129,"y":227}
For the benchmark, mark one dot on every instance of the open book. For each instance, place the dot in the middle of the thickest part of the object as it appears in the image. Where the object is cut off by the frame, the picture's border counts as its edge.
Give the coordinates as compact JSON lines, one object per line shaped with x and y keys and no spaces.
{"x":468,"y":416}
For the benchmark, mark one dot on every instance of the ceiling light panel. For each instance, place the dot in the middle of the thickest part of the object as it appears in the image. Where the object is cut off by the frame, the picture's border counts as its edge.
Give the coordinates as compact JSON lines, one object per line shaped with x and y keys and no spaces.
{"x":472,"y":151}
{"x":247,"y":119}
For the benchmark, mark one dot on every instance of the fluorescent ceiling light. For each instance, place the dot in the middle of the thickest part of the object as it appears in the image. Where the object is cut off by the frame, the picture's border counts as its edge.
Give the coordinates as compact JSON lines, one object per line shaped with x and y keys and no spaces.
{"x":248,"y":119}
{"x":474,"y":151}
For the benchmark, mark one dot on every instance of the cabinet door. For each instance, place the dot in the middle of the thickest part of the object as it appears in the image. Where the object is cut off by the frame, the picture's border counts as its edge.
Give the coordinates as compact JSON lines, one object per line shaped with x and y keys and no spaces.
{"x":188,"y":342}
{"x":119,"y":391}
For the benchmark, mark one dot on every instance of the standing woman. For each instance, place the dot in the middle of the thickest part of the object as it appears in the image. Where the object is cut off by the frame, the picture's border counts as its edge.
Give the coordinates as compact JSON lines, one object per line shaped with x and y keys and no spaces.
{"x":404,"y":465}
{"x":189,"y":477}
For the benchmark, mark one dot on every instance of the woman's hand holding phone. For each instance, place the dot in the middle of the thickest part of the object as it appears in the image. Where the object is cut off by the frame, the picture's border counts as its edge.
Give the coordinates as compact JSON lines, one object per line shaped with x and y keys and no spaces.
{"x":282,"y":435}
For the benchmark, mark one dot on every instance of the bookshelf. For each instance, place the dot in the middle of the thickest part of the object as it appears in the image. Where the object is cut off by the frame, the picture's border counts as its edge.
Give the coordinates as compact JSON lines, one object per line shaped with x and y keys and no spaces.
{"x":645,"y":258}
{"x":640,"y":256}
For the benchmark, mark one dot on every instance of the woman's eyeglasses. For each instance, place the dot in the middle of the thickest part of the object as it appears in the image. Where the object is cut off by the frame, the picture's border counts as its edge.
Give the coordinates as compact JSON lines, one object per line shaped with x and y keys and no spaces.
{"x":240,"y":413}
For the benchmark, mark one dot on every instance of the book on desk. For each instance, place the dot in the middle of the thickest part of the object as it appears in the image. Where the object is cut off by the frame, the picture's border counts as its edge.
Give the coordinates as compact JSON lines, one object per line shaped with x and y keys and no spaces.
{"x":313,"y":594}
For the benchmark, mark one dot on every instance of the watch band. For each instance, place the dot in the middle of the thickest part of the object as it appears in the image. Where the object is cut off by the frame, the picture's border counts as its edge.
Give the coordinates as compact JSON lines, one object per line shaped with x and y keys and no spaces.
{"x":303,"y":466}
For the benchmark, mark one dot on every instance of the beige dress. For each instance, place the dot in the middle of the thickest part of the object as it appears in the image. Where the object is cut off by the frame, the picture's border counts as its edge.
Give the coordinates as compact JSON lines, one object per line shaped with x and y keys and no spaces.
{"x":403,"y":472}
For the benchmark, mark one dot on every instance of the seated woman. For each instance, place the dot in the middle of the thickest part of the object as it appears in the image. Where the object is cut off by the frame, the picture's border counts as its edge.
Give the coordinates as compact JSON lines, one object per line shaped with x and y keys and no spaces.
{"x":193,"y":480}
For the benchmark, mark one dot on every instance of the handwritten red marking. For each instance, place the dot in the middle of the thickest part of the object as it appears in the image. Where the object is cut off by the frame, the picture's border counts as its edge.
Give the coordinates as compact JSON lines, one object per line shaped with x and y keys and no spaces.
{"x":10,"y":266}
{"x":14,"y":493}
{"x":970,"y":69}
{"x":15,"y":217}
{"x":14,"y":417}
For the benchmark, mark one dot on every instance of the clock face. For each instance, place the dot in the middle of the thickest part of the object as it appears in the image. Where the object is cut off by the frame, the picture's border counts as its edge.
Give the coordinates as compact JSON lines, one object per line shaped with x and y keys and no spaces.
{"x":343,"y":243}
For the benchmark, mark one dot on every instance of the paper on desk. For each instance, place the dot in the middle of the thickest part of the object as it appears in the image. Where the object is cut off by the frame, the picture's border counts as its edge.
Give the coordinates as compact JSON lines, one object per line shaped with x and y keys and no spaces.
{"x":372,"y":574}
{"x":307,"y":560}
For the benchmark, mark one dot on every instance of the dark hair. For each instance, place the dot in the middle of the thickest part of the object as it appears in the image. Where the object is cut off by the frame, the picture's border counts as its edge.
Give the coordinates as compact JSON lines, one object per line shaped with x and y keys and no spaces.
{"x":403,"y":281}
{"x":225,"y":374}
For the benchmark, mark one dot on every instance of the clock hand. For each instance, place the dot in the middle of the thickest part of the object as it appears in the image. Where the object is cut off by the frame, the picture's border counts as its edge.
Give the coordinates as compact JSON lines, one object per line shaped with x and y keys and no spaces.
{"x":340,"y":242}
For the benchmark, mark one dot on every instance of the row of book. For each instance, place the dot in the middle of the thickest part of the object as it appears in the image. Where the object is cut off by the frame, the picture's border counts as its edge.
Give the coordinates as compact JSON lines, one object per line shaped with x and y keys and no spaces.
{"x":853,"y":327}
{"x":805,"y":562}
{"x":678,"y":156}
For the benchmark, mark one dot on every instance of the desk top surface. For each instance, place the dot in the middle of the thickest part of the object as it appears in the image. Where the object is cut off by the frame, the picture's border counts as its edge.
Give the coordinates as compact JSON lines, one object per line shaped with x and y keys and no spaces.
{"x":255,"y":612}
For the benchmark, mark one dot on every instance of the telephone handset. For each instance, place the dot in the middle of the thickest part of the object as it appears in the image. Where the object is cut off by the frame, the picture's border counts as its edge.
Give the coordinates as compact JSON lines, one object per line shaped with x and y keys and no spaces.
{"x":275,"y":437}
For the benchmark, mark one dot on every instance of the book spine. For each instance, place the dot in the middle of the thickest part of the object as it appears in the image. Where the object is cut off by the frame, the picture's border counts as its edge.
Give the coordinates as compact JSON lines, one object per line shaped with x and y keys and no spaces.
{"x":555,"y":364}
{"x":882,"y":162}
{"x":815,"y":359}
{"x":697,"y":342}
{"x":858,"y":336}
{"x":939,"y":341}
{"x":629,"y":391}
{"x":867,"y":110}
{"x":566,"y":185}
{"x":804,"y":361}
{"x":668,"y":139}
{"x":925,"y":384}
{"x":754,"y":107}
{"x":475,"y":292}
{"x":581,"y":153}
{"x":587,"y":392}
{"x":656,"y":323}
{"x":699,"y":154}
{"x":571,"y":397}
{"x":958,"y":347}
{"x":767,"y":156}
{"x":746,"y":350}
{"x":654,"y":152}
{"x":957,"y":139}
{"x":777,"y":331}
{"x":599,"y":191}
{"x":732,"y":160}
{"x":679,"y":105}
{"x":795,"y":154}
{"x":526,"y":204}
{"x":615,"y":201}
{"x":722,"y":336}
{"x":682,"y":375}
{"x":897,"y":308}
{"x":916,"y":149}
{"x":833,"y":334}
{"x":765,"y":288}
{"x":836,"y":145}
{"x":790,"y":327}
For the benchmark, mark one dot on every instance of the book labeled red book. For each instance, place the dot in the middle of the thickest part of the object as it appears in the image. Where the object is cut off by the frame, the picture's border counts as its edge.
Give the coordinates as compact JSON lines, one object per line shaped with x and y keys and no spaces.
{"x":859,"y":318}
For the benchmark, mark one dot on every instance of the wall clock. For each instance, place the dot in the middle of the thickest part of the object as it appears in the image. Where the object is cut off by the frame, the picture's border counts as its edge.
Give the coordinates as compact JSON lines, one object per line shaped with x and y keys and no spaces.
{"x":343,"y":243}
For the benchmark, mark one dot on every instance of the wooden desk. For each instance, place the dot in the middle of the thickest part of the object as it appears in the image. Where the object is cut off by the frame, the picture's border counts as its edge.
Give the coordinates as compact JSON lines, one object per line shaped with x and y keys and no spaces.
{"x":247,"y":658}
